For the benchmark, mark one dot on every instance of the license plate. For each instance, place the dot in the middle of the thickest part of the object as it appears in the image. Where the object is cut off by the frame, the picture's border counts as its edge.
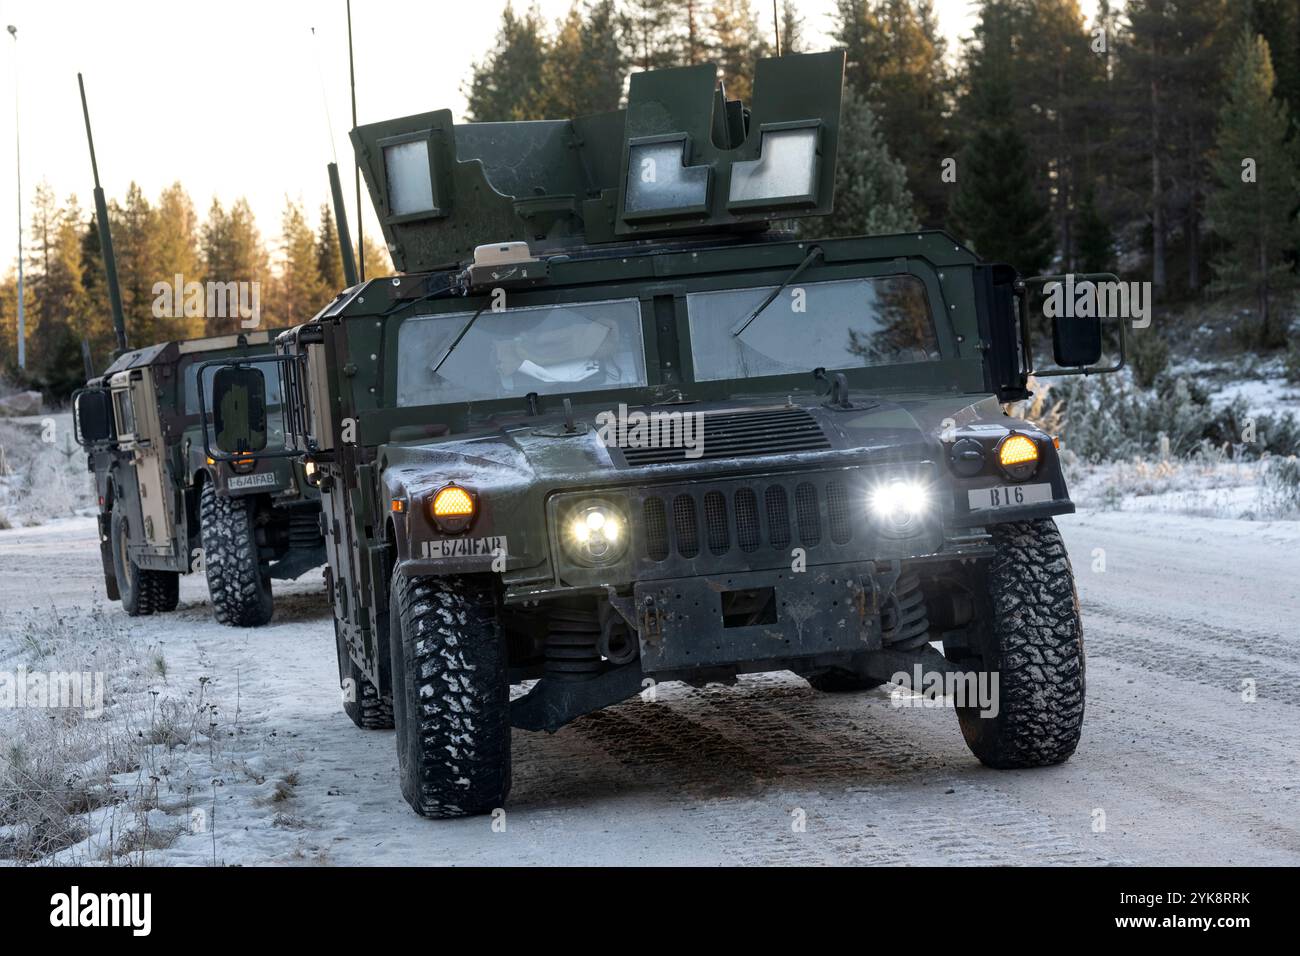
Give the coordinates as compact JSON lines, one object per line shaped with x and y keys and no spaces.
{"x":466,"y":547}
{"x":1008,"y":496}
{"x":265,"y":479}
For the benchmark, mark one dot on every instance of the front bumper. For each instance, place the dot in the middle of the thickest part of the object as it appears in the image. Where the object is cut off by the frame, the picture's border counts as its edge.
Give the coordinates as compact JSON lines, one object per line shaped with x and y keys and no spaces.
{"x":743,"y":618}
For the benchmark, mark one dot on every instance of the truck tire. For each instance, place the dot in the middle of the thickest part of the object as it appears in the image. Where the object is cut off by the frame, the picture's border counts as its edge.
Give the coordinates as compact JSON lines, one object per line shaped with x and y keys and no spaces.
{"x":1034,"y":641}
{"x":143,"y":591}
{"x":451,"y":695}
{"x":361,"y":699}
{"x":238,"y":584}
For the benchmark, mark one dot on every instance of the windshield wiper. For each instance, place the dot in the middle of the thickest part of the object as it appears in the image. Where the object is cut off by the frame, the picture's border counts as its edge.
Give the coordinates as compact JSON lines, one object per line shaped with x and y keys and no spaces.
{"x":456,"y":341}
{"x":813,"y":253}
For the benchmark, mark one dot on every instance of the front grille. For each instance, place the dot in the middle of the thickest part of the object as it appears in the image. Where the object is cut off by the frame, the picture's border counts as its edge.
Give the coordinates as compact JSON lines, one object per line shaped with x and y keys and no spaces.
{"x":752,"y":514}
{"x":740,"y":434}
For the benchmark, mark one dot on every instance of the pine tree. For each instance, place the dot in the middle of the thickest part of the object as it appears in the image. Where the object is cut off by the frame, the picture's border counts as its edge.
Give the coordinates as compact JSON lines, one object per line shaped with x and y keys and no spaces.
{"x":737,"y":42}
{"x":996,"y":208}
{"x":507,"y":83}
{"x":895,"y":57}
{"x":584,"y":66}
{"x":1278,"y":21}
{"x":58,"y":348}
{"x":178,"y":253}
{"x":233,"y":252}
{"x":329,"y":257}
{"x":652,"y":37}
{"x":298,"y":292}
{"x":1255,"y":168}
{"x":792,"y":28}
{"x":136,"y":249}
{"x":1095,"y":244}
{"x":378,"y":262}
{"x":871,"y":195}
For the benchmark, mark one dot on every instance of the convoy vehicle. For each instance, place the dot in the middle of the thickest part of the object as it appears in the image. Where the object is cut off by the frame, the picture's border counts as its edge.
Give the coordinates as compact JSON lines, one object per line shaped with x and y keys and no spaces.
{"x":166,"y":509}
{"x":611,"y":427}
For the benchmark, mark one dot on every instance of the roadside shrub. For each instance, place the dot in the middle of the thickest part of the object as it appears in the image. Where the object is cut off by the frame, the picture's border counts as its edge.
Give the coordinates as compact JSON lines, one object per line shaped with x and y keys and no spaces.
{"x":1148,"y":355}
{"x":1108,"y":419}
{"x":1281,"y":486}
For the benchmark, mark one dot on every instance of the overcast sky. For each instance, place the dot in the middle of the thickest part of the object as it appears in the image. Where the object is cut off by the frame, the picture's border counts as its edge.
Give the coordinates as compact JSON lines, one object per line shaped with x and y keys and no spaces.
{"x":228,"y":97}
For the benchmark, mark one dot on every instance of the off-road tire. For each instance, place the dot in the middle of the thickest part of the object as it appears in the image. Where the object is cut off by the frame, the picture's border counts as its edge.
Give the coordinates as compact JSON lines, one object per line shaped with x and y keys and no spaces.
{"x":451,"y":695}
{"x":1034,"y":641}
{"x":839,"y":682}
{"x":142,"y":591}
{"x":367,"y":708}
{"x":238,"y":584}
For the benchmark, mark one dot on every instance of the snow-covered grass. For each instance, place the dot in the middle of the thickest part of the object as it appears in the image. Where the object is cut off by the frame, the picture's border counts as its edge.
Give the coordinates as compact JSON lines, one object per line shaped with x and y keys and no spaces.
{"x":42,"y":471}
{"x":1206,"y":486}
{"x":109,"y":778}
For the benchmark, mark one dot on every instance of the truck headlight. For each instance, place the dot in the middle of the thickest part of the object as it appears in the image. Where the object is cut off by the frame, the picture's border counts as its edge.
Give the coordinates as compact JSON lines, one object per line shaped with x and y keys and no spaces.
{"x":595,"y":532}
{"x":899,"y":504}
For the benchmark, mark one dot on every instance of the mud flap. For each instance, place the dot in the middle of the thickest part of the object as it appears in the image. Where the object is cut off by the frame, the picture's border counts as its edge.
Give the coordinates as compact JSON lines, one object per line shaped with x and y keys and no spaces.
{"x":106,"y":558}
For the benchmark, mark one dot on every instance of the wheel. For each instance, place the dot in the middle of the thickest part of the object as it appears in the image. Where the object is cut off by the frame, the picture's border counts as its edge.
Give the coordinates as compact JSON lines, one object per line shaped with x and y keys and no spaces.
{"x":1034,"y":642}
{"x":361,"y":699}
{"x":238,"y":584}
{"x":142,"y":590}
{"x":451,"y":695}
{"x":839,"y":682}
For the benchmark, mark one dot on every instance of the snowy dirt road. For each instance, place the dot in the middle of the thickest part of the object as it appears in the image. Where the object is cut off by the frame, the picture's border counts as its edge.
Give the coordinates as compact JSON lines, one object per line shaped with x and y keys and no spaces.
{"x":1176,"y":763}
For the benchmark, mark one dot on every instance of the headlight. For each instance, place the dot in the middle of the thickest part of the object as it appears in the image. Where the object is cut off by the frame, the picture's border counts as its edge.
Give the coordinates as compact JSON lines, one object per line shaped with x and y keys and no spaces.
{"x":595,"y":532}
{"x":452,"y":508}
{"x":1018,"y":456}
{"x":899,"y":504}
{"x":311,"y":472}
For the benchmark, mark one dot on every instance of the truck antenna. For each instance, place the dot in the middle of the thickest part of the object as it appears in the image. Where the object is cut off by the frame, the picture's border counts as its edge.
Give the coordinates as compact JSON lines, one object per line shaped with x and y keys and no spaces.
{"x":105,"y":234}
{"x":352,"y":82}
{"x":341,"y":222}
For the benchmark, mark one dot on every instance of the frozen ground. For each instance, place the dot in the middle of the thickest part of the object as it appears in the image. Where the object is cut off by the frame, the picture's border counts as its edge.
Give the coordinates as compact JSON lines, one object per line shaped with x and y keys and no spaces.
{"x":230,"y":745}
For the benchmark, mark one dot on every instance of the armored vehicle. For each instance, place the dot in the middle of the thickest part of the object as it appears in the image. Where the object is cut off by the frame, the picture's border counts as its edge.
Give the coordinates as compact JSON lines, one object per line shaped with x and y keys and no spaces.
{"x":165,"y":508}
{"x":611,"y":428}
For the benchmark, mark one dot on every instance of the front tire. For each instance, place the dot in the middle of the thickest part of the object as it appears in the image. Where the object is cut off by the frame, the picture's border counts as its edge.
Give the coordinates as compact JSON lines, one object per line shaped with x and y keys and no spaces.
{"x":451,"y":695}
{"x":1034,"y":642}
{"x":238,"y":584}
{"x":142,"y":590}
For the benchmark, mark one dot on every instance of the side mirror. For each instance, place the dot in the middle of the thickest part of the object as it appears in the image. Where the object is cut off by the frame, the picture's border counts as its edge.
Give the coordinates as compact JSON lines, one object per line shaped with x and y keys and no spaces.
{"x":1076,"y":307}
{"x":239,"y":409}
{"x":1076,"y":340}
{"x":92,"y":416}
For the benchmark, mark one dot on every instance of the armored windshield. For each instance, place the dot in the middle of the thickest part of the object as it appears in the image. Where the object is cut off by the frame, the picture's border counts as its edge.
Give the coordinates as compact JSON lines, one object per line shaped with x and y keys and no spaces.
{"x":843,"y":324}
{"x":549,"y":349}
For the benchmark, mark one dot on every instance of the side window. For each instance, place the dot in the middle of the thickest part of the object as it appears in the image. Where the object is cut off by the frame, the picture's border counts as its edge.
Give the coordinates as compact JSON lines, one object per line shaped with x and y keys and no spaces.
{"x":125,"y":412}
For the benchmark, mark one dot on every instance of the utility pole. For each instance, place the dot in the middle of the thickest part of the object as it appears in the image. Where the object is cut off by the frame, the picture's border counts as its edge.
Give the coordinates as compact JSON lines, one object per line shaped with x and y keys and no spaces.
{"x":18,"y":149}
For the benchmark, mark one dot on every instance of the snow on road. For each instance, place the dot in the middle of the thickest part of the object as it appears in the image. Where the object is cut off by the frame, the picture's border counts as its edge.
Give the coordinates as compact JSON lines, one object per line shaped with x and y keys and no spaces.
{"x":1176,"y":765}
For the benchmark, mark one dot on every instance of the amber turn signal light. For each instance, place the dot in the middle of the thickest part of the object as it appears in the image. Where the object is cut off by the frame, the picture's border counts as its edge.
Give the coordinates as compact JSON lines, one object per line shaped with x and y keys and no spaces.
{"x":452,"y":508}
{"x":1018,"y":456}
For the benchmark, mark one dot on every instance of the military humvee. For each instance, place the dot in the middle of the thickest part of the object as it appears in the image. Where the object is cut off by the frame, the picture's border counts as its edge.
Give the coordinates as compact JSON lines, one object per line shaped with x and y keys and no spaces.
{"x":610,"y":428}
{"x":166,"y":509}
{"x":162,"y":502}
